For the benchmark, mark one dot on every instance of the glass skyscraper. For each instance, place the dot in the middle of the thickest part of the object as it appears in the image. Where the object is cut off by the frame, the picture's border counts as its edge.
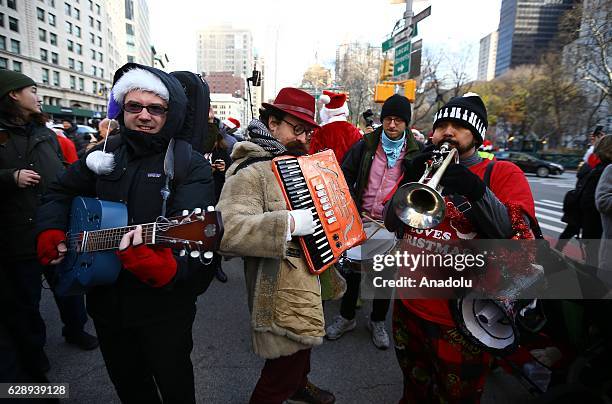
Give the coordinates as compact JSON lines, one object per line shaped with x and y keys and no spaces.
{"x":526,"y":29}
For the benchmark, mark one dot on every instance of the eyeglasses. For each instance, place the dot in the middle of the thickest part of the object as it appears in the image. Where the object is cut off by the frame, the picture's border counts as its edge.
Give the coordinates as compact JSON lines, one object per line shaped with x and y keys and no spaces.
{"x":136,"y":108}
{"x":388,"y":120}
{"x":298,"y":129}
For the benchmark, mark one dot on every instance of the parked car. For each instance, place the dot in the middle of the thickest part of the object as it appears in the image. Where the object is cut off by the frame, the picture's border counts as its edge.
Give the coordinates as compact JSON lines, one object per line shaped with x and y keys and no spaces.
{"x":82,"y":130}
{"x":530,"y":164}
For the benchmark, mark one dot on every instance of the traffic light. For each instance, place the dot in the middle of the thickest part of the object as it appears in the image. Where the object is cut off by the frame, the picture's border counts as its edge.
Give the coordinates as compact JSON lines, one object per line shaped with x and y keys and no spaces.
{"x":382,"y":92}
{"x":386,"y":70}
{"x":410,"y":90}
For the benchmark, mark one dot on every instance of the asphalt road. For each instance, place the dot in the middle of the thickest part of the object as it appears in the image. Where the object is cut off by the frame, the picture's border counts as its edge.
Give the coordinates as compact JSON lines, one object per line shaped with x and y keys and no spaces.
{"x":226,"y":370}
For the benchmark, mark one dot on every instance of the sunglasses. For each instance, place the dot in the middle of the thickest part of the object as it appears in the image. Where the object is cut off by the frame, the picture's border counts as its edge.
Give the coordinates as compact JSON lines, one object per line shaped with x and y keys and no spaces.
{"x":136,"y":108}
{"x":298,"y":129}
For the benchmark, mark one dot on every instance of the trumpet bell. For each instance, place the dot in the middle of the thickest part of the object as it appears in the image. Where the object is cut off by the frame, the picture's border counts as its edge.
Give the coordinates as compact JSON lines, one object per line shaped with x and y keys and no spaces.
{"x":419,"y":205}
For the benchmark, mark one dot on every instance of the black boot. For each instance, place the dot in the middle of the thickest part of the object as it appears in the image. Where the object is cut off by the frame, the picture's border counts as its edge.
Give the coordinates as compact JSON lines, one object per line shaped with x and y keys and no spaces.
{"x":220,"y":275}
{"x":82,"y":339}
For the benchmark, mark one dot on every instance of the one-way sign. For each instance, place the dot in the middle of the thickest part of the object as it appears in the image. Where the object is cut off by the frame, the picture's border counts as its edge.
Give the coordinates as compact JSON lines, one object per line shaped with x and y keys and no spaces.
{"x":402,"y":59}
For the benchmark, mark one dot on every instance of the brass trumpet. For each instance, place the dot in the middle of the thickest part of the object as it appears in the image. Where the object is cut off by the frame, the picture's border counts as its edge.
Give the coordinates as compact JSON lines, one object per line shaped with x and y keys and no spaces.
{"x":421,"y":204}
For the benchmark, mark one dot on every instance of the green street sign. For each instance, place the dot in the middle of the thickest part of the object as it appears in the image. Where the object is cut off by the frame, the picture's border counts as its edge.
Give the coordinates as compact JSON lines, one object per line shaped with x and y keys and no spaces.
{"x":387,"y":45}
{"x":415,"y":30}
{"x":402,"y":58}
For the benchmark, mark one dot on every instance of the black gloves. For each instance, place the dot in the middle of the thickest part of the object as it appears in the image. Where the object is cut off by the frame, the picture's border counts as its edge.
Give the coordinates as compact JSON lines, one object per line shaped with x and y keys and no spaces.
{"x":414,"y":169}
{"x":458,"y":179}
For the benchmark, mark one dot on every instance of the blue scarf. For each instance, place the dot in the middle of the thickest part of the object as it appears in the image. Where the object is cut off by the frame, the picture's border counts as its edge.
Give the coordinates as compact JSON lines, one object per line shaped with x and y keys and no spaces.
{"x":392,"y":148}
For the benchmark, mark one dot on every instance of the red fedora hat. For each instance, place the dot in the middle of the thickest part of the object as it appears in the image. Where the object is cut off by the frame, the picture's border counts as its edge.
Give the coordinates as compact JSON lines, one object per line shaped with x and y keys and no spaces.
{"x":295,"y":102}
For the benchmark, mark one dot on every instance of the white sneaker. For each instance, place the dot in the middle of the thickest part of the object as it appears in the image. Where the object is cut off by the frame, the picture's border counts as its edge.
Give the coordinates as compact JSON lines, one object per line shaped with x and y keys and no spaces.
{"x":339,"y":327}
{"x":379,"y":334}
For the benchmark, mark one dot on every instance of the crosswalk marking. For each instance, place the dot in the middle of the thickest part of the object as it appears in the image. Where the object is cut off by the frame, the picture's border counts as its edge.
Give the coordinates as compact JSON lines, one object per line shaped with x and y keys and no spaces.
{"x":548,"y":204}
{"x":551,"y":212}
{"x":553,"y":202}
{"x":549,"y":215}
{"x":549,"y":227}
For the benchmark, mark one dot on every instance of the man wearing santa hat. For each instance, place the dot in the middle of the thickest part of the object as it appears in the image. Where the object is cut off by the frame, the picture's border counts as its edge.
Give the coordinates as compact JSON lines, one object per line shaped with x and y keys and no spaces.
{"x":335,"y":133}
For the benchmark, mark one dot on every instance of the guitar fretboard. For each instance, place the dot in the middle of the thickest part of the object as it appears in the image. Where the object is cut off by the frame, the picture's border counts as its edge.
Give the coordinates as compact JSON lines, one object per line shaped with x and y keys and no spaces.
{"x":109,"y":239}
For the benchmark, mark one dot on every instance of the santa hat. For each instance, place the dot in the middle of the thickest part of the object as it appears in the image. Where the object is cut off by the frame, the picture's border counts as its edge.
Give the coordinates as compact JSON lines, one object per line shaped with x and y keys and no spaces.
{"x":139,"y":79}
{"x":334,"y":107}
{"x":232,"y":123}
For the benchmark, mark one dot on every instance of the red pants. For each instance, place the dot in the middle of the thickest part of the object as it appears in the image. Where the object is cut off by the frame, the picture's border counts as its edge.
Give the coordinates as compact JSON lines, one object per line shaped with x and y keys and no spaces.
{"x":438,"y":363}
{"x":281,"y":378}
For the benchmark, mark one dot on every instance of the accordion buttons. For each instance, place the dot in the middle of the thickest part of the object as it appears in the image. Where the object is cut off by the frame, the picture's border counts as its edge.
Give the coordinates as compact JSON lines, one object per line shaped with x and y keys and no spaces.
{"x":329,"y":213}
{"x":324,"y":199}
{"x":319,"y":187}
{"x":326,"y":206}
{"x":331,"y":220}
{"x":321,"y":193}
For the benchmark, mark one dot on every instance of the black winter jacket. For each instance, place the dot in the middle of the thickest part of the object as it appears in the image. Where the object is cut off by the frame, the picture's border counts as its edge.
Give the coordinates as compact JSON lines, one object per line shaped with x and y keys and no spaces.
{"x":137,"y":180}
{"x":33,"y":147}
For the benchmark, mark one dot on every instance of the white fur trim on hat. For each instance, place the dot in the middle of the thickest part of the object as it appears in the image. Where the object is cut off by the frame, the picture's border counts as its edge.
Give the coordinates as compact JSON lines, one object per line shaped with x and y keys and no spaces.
{"x":139,"y":79}
{"x":325,"y":99}
{"x":333,"y":115}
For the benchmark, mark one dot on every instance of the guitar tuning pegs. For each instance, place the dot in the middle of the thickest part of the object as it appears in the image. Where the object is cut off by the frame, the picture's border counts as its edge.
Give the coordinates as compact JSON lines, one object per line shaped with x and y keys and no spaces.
{"x":185,"y":212}
{"x":208,"y":255}
{"x":210,"y":209}
{"x":182,"y":253}
{"x":194,"y":254}
{"x":197,"y":211}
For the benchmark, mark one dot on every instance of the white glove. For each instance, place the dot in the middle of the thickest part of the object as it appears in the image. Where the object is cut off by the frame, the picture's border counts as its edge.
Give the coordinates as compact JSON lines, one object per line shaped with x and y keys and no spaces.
{"x":303,"y":222}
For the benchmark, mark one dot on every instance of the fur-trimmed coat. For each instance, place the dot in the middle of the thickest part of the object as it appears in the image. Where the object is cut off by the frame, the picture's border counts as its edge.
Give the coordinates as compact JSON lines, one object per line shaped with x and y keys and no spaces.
{"x":284,"y":297}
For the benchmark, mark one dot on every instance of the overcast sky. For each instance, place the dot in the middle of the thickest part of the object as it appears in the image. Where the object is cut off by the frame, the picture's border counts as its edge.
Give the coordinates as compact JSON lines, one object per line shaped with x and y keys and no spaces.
{"x":309,"y":29}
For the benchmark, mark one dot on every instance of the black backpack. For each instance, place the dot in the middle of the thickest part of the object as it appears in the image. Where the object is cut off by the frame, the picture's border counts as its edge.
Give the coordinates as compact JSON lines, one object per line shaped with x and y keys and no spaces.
{"x":195,"y":128}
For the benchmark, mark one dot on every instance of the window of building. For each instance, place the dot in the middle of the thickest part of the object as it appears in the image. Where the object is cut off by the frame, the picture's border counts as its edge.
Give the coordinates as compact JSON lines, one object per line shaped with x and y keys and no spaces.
{"x":129,"y":29}
{"x":56,"y":78}
{"x":11,"y":4}
{"x":54,"y":58}
{"x":40,"y":14}
{"x":99,"y":25}
{"x":13,"y":24}
{"x":98,"y":9}
{"x":68,"y":27}
{"x":44,"y":55}
{"x":91,"y":21}
{"x":52,"y":19}
{"x":52,"y":3}
{"x":52,"y":38}
{"x":93,"y":54}
{"x":15,"y":46}
{"x":67,"y":9}
{"x":42,"y":35}
{"x":130,"y":59}
{"x":45,"y":76}
{"x":79,"y":49}
{"x":80,"y":66}
{"x":129,"y":9}
{"x":3,"y":63}
{"x":70,"y":45}
{"x":72,"y":83}
{"x":2,"y":42}
{"x":1,"y":19}
{"x":77,"y":13}
{"x":17,"y":66}
{"x":100,"y":57}
{"x":71,"y":63}
{"x":102,"y":72}
{"x":99,"y":41}
{"x":77,"y":31}
{"x":94,"y":87}
{"x":92,"y":38}
{"x":90,"y":5}
{"x":81,"y":84}
{"x":94,"y":70}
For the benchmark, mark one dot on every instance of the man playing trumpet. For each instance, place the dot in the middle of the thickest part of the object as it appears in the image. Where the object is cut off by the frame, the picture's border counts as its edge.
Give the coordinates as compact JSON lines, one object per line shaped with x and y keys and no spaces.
{"x":436,"y":363}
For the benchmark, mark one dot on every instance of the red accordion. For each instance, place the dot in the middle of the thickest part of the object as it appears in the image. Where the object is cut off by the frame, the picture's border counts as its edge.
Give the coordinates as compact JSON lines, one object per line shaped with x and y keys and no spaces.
{"x":316,"y":182}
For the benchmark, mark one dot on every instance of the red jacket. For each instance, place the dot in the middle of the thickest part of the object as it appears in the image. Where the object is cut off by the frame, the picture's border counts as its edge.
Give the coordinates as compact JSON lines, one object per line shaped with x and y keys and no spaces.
{"x":68,"y":148}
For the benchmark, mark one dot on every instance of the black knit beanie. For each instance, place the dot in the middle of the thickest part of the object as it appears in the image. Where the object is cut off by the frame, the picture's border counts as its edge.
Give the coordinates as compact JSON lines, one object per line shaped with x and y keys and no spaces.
{"x":11,"y":81}
{"x":397,"y":105}
{"x":468,"y":110}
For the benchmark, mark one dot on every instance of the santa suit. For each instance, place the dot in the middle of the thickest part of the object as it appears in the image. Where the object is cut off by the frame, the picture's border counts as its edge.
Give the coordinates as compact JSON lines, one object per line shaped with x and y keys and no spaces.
{"x":337,"y":135}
